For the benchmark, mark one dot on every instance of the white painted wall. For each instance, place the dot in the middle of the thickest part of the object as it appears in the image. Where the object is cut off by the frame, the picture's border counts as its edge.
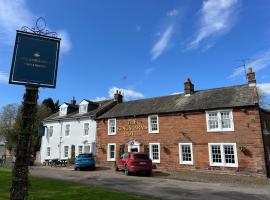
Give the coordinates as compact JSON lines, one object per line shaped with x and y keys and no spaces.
{"x":59,"y":140}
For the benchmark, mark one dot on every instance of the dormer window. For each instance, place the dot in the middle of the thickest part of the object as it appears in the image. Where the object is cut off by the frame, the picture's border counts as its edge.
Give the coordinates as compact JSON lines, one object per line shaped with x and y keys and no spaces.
{"x":83,"y":108}
{"x":63,"y":110}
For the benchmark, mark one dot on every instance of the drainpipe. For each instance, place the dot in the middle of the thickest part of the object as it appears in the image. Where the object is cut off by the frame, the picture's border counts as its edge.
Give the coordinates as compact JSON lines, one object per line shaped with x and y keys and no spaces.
{"x":60,"y":140}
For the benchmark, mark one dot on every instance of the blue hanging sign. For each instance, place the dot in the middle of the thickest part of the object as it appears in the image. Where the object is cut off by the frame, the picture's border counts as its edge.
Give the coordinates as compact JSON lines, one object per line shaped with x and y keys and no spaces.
{"x":35,"y":60}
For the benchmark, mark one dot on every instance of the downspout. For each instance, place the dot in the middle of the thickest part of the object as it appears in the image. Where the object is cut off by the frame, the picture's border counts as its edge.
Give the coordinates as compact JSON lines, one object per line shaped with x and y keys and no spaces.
{"x":60,"y":140}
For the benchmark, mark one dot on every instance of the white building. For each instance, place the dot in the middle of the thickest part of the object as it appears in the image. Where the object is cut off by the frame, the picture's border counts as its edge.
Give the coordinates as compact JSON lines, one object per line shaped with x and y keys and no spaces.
{"x":73,"y":128}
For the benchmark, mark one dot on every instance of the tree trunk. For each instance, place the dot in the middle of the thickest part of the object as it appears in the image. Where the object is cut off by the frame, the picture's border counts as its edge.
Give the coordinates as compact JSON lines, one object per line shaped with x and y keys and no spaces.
{"x":20,"y":182}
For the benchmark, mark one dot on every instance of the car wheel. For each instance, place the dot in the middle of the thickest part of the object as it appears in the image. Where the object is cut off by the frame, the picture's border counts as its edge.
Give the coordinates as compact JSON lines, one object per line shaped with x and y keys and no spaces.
{"x":94,"y":168}
{"x":116,"y":167}
{"x":148,"y":173}
{"x":127,"y":173}
{"x":75,"y":168}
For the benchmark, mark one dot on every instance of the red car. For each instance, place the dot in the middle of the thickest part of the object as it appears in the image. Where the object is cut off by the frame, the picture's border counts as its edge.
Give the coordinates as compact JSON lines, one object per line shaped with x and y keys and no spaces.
{"x":134,"y":162}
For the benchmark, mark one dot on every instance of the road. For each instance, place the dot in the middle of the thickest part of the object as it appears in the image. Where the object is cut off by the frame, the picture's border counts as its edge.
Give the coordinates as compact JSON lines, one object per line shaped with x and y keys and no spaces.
{"x":155,"y":187}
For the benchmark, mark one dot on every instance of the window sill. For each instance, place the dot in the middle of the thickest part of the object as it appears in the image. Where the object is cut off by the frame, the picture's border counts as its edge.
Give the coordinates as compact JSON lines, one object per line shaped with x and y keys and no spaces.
{"x":186,"y":163}
{"x":113,"y":160}
{"x":153,"y":132}
{"x":111,"y":133}
{"x":223,"y":165}
{"x":218,"y":131}
{"x":156,"y":161}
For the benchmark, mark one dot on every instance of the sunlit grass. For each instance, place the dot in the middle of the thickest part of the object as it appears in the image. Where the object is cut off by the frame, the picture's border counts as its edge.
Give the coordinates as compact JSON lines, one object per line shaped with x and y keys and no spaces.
{"x":55,"y":189}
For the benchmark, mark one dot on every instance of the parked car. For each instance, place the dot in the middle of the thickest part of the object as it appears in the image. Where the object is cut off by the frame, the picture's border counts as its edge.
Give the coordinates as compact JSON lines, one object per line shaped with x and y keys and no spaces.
{"x":85,"y":161}
{"x":134,"y":162}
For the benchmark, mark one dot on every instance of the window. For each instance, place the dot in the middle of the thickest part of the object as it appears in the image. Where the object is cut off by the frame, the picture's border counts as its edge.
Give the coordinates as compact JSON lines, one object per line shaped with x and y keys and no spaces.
{"x":50,"y":132}
{"x":111,"y":152}
{"x":86,"y":129}
{"x":83,"y":108}
{"x":153,"y":126}
{"x":219,"y":121}
{"x":111,"y":126}
{"x":67,"y":131}
{"x":66,"y":151}
{"x":48,"y":151}
{"x":87,"y":149}
{"x":186,"y":153}
{"x":223,"y":154}
{"x":155,"y":152}
{"x":63,"y":110}
{"x":80,"y":149}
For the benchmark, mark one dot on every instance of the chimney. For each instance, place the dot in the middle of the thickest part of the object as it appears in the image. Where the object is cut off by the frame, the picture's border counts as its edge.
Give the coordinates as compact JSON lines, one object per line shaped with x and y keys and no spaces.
{"x":251,"y":77}
{"x":73,"y":101}
{"x":118,"y":97}
{"x":189,"y":87}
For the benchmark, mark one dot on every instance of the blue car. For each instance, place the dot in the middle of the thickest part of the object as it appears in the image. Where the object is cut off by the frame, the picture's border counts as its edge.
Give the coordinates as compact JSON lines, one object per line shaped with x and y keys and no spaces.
{"x":85,"y":161}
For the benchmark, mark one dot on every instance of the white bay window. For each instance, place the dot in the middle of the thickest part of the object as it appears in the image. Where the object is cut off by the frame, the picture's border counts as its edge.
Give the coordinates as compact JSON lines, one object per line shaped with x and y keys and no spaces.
{"x":111,"y":152}
{"x":223,"y":154}
{"x":154,"y":152}
{"x":186,"y":153}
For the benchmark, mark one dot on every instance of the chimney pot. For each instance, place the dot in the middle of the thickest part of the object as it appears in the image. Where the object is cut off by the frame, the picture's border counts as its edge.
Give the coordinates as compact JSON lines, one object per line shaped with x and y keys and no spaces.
{"x":73,"y":101}
{"x":251,"y":77}
{"x":118,"y":97}
{"x":189,"y":87}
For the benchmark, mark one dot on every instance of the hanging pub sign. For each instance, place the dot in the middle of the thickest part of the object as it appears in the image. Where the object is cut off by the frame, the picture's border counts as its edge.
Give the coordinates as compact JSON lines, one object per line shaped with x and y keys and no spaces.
{"x":35,"y":60}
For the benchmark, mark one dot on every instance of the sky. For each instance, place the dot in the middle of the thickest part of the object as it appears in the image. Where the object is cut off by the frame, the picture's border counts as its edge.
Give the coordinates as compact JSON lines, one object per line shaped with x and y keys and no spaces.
{"x":143,"y":48}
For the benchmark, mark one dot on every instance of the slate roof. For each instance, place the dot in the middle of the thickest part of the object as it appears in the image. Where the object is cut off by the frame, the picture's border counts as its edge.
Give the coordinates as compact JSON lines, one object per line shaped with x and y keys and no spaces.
{"x":226,"y":97}
{"x":76,"y":115}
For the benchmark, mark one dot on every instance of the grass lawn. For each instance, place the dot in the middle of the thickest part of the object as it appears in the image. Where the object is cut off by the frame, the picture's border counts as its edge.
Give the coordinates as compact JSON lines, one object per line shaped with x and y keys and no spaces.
{"x":55,"y":189}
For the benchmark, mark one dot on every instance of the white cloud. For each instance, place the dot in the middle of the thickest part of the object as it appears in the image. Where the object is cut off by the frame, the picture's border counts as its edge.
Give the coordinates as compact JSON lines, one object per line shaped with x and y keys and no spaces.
{"x":174,"y":93}
{"x":13,"y":15}
{"x":162,"y":43}
{"x":216,"y":18}
{"x":259,"y":61}
{"x":172,"y":13}
{"x":100,"y":98}
{"x":148,"y":71}
{"x":264,"y":88}
{"x":65,"y":45}
{"x":3,"y":77}
{"x":127,"y":93}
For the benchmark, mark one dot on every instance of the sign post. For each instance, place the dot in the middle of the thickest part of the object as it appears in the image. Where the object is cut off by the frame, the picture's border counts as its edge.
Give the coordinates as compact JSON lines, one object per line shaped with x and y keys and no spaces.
{"x":34,"y":64}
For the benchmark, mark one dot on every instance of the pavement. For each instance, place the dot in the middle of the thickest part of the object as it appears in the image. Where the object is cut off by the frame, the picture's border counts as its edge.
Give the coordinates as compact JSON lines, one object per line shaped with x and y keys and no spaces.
{"x":161,"y":185}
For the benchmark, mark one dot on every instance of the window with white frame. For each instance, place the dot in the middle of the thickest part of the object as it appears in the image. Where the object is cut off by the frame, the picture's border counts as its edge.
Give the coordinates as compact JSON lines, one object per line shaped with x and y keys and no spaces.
{"x":153,"y":126}
{"x":111,"y":152}
{"x":186,"y":153}
{"x":219,"y":121}
{"x":67,"y":131}
{"x":111,"y":126}
{"x":48,"y":151}
{"x":86,"y":129}
{"x":50,"y":132}
{"x":63,"y":110}
{"x":223,"y":154}
{"x":83,"y":108}
{"x":87,"y":148}
{"x":66,"y":149}
{"x":154,"y":152}
{"x":80,"y":149}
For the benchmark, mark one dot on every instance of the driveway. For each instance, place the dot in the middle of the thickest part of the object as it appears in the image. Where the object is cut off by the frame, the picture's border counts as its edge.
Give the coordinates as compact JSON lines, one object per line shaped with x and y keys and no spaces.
{"x":155,"y":187}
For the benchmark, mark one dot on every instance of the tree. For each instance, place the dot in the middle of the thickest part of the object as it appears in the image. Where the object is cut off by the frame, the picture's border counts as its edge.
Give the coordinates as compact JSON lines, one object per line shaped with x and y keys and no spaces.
{"x":7,"y":118}
{"x":264,"y":99}
{"x":49,"y":103}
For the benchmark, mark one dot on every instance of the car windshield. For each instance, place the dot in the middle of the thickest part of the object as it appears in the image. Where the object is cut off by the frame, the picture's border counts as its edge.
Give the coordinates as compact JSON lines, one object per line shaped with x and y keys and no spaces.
{"x":140,"y":156}
{"x":85,"y":156}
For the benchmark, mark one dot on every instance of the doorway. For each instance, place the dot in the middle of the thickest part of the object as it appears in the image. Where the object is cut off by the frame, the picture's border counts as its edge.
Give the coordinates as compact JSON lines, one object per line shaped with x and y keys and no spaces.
{"x":134,"y":146}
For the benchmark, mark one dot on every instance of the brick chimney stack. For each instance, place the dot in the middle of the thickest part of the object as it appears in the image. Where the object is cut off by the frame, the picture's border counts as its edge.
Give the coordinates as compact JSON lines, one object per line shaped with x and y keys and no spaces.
{"x":118,"y":97}
{"x":251,"y":77}
{"x":189,"y":87}
{"x":73,"y":101}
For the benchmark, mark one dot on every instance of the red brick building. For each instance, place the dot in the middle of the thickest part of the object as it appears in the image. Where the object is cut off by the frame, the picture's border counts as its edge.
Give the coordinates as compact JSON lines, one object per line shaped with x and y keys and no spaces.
{"x":221,"y":129}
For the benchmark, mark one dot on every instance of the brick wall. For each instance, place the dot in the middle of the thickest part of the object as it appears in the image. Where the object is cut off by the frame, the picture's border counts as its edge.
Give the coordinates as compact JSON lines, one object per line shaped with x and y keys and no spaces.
{"x":191,"y":128}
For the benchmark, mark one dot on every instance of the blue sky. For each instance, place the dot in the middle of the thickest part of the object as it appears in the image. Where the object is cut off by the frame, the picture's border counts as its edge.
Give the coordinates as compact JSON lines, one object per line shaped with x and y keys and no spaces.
{"x":146,"y":48}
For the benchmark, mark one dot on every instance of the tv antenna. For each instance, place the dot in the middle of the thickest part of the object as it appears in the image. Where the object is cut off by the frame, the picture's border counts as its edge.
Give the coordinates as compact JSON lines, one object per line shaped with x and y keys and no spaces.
{"x":244,"y":65}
